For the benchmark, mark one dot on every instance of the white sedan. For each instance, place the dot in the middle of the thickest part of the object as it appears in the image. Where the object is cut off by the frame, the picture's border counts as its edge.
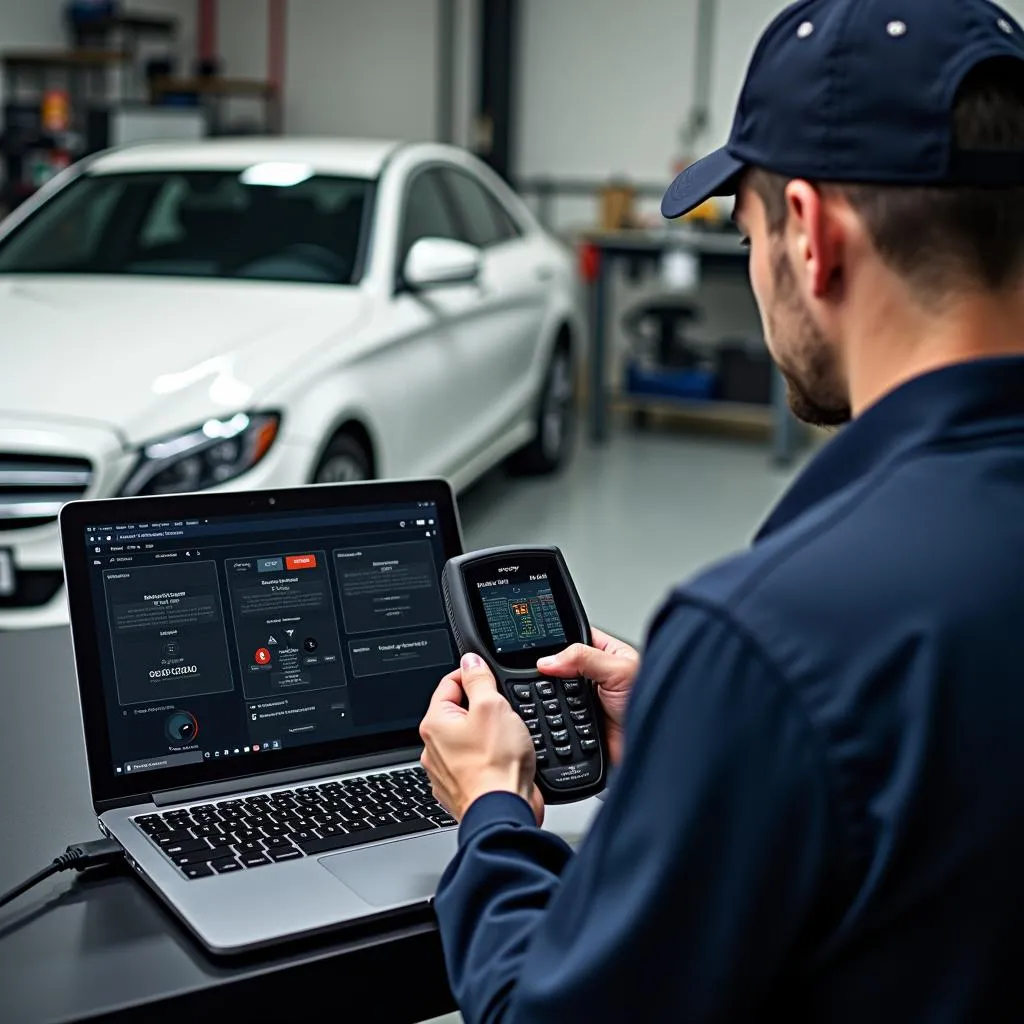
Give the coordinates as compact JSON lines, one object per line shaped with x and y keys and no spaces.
{"x":257,"y":313}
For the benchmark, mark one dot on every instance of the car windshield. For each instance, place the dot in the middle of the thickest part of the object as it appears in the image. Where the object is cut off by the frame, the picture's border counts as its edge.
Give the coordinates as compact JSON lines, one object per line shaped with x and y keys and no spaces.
{"x":196,"y":224}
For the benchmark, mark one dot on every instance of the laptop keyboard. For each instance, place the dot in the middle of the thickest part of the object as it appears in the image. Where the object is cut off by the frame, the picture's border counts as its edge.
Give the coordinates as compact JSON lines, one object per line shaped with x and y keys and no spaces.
{"x":285,"y":824}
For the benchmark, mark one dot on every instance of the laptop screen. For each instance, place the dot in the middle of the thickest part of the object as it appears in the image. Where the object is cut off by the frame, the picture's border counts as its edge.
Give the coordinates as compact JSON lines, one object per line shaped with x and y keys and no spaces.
{"x":238,"y":636}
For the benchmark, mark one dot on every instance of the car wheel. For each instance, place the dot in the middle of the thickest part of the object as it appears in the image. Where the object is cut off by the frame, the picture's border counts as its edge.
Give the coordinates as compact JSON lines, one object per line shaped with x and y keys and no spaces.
{"x":556,"y":420}
{"x":345,"y":461}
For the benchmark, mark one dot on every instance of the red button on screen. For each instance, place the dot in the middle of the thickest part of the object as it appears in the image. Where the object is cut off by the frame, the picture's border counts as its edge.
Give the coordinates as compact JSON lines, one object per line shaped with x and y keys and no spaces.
{"x":300,"y":561}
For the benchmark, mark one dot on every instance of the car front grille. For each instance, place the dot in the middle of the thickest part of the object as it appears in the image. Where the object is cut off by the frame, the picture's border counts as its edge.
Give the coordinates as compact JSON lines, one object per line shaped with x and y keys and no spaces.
{"x":34,"y":487}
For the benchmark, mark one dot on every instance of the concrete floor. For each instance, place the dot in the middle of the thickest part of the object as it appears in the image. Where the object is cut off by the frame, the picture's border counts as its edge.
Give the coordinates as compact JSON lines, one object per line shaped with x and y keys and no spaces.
{"x":634,"y":517}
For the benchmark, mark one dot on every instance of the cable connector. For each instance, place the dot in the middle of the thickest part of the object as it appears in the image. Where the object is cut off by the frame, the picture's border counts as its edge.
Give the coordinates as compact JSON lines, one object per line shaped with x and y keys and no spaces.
{"x":79,"y":856}
{"x":89,"y":855}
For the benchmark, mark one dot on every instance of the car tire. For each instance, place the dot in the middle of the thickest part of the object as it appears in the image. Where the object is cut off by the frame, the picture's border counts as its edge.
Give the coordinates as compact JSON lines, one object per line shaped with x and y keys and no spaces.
{"x":345,"y":460}
{"x":556,"y":420}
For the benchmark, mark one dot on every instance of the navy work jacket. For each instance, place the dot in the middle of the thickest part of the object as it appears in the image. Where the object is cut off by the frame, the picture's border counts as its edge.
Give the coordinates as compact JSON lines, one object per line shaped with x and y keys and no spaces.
{"x":820,"y":811}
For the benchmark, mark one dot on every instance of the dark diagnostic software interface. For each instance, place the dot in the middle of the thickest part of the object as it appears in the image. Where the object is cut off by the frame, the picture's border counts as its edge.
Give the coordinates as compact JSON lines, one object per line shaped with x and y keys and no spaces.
{"x":243,"y":635}
{"x":521,"y":613}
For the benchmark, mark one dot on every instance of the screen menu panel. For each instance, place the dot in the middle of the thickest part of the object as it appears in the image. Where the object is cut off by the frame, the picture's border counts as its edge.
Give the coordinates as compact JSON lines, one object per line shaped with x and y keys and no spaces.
{"x":285,"y":626}
{"x":386,"y":586}
{"x":233,"y":637}
{"x":167,"y":631}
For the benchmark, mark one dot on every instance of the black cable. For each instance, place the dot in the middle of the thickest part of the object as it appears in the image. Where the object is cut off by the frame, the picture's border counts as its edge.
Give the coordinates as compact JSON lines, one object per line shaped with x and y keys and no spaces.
{"x":79,"y":856}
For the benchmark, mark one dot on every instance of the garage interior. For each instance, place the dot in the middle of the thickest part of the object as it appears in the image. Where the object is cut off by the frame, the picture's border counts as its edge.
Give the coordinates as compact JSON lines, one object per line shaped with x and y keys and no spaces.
{"x":681,"y":439}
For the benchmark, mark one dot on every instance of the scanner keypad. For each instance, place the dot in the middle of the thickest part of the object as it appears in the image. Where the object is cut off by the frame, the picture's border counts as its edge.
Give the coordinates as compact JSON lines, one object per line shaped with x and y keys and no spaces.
{"x":559,"y":716}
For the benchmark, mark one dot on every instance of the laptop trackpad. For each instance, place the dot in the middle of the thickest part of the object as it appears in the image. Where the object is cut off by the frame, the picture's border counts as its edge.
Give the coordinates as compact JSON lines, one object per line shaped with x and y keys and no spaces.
{"x":401,"y":872}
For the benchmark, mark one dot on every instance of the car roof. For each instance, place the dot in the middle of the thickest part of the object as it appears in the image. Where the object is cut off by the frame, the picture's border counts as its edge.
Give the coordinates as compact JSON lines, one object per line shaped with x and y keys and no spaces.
{"x":357,"y":158}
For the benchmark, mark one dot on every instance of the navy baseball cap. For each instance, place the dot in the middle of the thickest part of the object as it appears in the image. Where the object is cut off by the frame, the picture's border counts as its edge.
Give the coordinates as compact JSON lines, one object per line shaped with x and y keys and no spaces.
{"x":860,"y":91}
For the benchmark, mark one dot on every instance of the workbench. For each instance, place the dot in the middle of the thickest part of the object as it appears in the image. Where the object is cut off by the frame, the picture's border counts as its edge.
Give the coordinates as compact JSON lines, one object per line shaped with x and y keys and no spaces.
{"x":718,"y":253}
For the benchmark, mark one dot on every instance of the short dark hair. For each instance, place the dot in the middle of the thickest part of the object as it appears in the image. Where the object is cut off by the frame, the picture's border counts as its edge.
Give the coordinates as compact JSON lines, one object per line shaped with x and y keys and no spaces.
{"x":939,"y":238}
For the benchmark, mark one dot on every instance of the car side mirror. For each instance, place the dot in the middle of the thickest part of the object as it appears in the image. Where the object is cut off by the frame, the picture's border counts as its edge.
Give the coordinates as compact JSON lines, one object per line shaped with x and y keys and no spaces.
{"x":434,"y":262}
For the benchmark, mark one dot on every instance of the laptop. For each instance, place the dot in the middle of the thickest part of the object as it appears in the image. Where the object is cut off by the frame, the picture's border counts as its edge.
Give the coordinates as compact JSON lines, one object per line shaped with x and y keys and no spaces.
{"x":252,"y":669}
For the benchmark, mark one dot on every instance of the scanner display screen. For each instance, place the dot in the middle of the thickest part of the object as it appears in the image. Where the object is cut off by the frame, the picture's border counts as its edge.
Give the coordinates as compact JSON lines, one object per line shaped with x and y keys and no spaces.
{"x":523,"y":610}
{"x":522,"y":615}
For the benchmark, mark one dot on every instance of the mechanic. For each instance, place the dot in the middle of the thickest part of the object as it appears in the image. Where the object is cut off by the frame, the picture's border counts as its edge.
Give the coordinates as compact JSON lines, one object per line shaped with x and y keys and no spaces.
{"x":817,"y":811}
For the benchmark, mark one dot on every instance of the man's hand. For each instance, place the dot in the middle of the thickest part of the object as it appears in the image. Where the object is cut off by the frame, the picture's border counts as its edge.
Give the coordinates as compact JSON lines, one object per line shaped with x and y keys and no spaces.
{"x":482,"y":749}
{"x":613,"y":666}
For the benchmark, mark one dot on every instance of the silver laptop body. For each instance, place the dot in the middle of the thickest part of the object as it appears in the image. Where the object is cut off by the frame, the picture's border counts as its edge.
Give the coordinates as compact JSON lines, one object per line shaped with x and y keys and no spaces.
{"x":144,"y":609}
{"x":259,"y":906}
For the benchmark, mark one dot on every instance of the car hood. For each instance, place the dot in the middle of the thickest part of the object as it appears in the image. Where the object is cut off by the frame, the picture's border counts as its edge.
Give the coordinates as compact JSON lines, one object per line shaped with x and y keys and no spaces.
{"x":148,"y":357}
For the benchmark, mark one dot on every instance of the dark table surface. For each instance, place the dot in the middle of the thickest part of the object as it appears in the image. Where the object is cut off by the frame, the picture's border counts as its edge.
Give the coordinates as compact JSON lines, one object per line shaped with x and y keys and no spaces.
{"x":76,"y":948}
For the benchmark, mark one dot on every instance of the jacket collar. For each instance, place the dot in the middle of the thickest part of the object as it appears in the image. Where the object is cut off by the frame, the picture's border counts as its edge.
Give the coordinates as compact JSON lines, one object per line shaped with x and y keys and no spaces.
{"x":967,"y":399}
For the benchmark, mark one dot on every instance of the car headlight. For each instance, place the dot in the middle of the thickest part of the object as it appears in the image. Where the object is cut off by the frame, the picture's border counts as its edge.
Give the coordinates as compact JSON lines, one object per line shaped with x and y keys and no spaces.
{"x":211,"y":454}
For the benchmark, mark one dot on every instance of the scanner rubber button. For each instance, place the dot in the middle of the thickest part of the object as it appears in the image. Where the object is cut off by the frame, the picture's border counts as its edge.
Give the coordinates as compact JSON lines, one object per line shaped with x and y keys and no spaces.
{"x":523,"y":691}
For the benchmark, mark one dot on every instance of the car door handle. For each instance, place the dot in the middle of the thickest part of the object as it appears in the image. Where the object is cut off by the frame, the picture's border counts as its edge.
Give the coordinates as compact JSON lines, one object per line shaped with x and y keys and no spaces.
{"x":544,"y":273}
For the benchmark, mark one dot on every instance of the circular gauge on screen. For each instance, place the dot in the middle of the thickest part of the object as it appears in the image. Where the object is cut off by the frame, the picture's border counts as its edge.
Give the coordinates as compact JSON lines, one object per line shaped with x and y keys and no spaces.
{"x":181,"y":727}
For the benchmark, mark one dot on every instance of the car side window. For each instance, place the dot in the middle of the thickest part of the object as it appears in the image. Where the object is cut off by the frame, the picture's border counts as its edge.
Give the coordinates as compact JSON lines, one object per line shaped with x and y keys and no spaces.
{"x":505,"y":219}
{"x":427,"y":213}
{"x":484,"y":220}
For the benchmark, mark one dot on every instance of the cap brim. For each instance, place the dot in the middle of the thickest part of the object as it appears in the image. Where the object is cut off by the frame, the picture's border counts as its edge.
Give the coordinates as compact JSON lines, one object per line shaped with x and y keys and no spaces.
{"x":716,"y":175}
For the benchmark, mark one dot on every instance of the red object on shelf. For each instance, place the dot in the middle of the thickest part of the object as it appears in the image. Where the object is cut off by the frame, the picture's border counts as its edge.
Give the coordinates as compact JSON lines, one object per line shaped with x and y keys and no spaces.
{"x":206,"y":29}
{"x":590,"y":262}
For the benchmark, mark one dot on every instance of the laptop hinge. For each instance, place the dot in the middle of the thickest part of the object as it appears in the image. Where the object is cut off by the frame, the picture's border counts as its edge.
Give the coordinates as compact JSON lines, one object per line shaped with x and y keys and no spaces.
{"x":283,"y":778}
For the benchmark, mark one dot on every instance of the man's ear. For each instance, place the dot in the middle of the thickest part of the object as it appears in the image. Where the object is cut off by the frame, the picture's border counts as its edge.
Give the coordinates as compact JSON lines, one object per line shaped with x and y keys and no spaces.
{"x":814,"y":240}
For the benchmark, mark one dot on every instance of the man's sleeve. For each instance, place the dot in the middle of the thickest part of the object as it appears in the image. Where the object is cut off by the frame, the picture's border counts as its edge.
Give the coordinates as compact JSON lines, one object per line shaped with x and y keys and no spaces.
{"x":699,"y":879}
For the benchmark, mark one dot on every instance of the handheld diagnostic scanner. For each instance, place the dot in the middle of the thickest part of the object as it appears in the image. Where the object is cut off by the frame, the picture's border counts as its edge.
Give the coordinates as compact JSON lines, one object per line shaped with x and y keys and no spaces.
{"x":511,"y":606}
